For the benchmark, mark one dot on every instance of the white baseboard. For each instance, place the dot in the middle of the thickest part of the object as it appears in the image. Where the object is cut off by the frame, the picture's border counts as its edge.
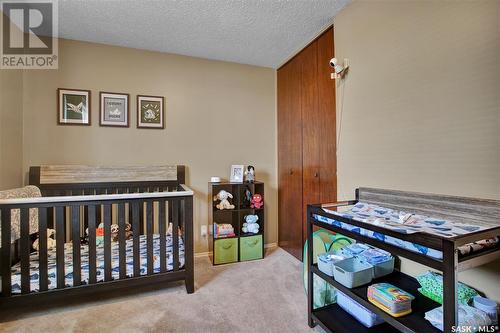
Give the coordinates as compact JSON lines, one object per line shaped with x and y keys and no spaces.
{"x":206,"y":254}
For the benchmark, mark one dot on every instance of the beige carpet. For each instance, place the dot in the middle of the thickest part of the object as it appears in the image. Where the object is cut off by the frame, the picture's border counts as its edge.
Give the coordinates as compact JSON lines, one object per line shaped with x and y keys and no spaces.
{"x":259,"y":296}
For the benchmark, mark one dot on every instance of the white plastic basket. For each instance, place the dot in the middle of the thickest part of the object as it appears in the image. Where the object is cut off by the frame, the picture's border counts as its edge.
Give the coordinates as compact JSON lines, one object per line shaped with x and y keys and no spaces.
{"x":353,"y":272}
{"x":363,"y":315}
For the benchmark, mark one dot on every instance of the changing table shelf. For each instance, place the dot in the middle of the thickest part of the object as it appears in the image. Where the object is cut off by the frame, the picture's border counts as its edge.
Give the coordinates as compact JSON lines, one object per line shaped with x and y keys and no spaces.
{"x":332,"y":318}
{"x":457,"y":209}
{"x":413,"y":322}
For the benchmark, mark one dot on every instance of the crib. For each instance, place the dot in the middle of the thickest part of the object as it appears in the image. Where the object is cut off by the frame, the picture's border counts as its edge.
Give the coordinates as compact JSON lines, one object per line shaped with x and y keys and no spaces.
{"x":86,"y":202}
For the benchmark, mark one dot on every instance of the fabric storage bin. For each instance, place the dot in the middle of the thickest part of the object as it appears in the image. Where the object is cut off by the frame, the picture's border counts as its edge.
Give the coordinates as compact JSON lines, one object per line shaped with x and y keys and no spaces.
{"x":390,"y":299}
{"x":251,"y":247}
{"x":362,"y":314}
{"x":353,"y":272}
{"x":225,"y":250}
{"x":327,"y":260}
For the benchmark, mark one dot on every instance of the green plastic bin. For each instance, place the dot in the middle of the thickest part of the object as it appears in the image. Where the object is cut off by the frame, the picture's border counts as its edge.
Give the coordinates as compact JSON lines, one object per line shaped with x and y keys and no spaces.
{"x":226,"y":251}
{"x":323,"y":241}
{"x":251,"y":247}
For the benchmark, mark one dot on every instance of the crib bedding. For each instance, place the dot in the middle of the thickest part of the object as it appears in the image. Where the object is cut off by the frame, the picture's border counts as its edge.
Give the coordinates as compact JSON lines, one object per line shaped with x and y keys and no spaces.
{"x":393,"y":220}
{"x":68,"y":254}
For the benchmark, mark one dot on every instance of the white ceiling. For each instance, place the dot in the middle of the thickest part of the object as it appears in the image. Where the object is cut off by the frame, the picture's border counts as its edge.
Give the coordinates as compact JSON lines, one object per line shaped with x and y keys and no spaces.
{"x":256,"y":32}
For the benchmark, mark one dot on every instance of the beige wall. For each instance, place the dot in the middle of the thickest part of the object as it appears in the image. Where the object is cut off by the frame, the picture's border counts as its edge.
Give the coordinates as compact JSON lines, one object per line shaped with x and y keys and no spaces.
{"x":421,"y":103}
{"x":217,"y":114}
{"x":11,"y":128}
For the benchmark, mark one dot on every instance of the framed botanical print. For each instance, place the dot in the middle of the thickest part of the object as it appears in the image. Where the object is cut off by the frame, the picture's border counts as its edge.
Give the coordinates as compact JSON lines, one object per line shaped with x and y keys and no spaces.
{"x":113,"y":109}
{"x":73,"y":106}
{"x":150,"y":112}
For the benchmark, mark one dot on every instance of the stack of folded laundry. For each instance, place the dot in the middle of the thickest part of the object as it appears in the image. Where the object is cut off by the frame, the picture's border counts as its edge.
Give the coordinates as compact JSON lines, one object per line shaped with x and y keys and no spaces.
{"x":355,"y":249}
{"x":390,"y":299}
{"x":223,"y":230}
{"x":376,"y":256}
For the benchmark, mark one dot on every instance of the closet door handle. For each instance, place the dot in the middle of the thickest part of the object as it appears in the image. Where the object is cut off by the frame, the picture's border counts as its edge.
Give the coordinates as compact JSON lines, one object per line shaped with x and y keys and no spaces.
{"x":316,"y":174}
{"x":291,"y":171}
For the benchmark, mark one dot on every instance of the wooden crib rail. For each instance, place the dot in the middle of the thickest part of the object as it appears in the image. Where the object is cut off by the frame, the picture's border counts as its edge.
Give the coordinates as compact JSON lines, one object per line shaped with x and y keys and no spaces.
{"x":183,"y":191}
{"x":148,"y":213}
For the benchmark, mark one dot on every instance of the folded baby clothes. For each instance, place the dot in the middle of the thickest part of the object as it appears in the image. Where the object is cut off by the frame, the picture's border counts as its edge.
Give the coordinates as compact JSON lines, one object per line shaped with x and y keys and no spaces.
{"x":390,"y":299}
{"x":468,"y":317}
{"x":355,"y":249}
{"x":376,"y":256}
{"x":432,"y":287}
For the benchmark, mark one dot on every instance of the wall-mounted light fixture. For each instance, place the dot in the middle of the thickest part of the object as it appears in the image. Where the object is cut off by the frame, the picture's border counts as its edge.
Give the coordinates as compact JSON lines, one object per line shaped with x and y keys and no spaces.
{"x":340,"y":70}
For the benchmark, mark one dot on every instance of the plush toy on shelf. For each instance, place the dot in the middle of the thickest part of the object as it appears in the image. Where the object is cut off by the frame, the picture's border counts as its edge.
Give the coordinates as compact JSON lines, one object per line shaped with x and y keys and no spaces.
{"x":251,"y":224}
{"x":250,"y":174}
{"x":51,"y":242}
{"x":248,"y":197}
{"x":224,"y":202}
{"x":257,"y":201}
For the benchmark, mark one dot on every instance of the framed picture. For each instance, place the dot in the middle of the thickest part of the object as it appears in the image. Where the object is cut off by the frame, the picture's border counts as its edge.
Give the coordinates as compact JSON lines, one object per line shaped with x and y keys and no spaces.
{"x":236,"y":174}
{"x":150,"y":112}
{"x":114,"y":109}
{"x":73,"y":106}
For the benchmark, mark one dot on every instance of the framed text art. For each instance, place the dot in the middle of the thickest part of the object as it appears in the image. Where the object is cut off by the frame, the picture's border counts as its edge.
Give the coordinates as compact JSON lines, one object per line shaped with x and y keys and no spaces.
{"x":114,"y":109}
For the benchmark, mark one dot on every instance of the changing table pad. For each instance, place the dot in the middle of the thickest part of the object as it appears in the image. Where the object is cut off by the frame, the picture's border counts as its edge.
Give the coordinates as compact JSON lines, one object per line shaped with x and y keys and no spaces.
{"x":390,"y":219}
{"x":405,"y":222}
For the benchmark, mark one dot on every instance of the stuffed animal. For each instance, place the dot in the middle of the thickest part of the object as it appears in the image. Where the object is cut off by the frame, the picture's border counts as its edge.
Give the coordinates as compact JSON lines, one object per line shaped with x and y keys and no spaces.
{"x":250,"y":174}
{"x":257,"y":201}
{"x":99,"y":234}
{"x":224,"y":202}
{"x":115,"y":235}
{"x":170,"y":227}
{"x":248,"y":197}
{"x":51,"y":242}
{"x":251,"y":224}
{"x":128,"y":231}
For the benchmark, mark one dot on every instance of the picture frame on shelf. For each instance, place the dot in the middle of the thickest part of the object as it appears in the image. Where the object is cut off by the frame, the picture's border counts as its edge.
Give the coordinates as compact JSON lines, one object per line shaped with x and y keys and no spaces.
{"x":114,"y":109}
{"x":150,"y":112}
{"x":73,"y":106}
{"x":237,"y":172}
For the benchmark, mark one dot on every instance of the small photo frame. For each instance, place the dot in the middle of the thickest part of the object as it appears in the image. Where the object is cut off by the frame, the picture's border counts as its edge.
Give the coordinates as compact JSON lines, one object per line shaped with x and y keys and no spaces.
{"x":73,"y":107}
{"x":236,"y":173}
{"x":150,"y":112}
{"x":114,"y":109}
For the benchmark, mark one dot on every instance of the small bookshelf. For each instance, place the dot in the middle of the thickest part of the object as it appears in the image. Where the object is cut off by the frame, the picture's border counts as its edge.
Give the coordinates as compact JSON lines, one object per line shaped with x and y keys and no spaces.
{"x":240,"y":246}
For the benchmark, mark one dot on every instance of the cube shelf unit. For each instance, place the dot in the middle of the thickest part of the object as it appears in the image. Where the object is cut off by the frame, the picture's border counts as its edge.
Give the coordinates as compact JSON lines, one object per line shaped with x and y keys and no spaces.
{"x":242,"y":246}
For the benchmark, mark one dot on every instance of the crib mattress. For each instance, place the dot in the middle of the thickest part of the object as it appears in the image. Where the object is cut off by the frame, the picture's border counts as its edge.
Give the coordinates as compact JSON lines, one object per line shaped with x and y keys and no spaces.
{"x":68,"y":254}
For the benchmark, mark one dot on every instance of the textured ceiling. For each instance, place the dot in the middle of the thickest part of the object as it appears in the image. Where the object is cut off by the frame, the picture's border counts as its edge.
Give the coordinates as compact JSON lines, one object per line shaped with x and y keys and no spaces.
{"x":256,"y":32}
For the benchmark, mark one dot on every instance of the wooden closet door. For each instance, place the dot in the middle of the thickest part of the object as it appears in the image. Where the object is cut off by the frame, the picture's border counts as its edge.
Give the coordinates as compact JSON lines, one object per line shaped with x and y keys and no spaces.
{"x":327,"y":124}
{"x":290,"y":158}
{"x":311,"y":124}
